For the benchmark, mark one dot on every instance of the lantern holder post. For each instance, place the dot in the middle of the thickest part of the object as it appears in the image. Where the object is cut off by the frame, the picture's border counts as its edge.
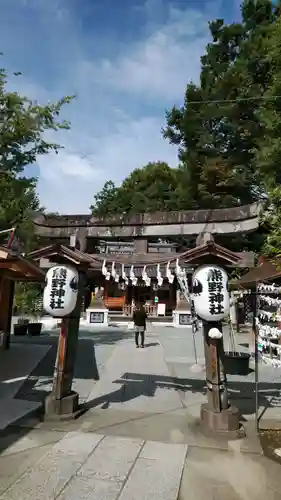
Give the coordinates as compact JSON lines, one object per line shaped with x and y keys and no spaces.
{"x":217,"y":414}
{"x":211,"y":301}
{"x":63,"y":403}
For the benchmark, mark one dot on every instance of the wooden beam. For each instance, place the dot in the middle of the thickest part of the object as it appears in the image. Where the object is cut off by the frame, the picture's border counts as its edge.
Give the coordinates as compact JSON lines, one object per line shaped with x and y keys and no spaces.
{"x":13,"y":266}
{"x":9,"y":266}
{"x":16,"y":276}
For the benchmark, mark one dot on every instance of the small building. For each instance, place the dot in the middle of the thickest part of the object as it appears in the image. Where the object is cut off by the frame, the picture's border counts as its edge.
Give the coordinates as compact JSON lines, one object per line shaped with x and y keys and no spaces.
{"x":13,"y":267}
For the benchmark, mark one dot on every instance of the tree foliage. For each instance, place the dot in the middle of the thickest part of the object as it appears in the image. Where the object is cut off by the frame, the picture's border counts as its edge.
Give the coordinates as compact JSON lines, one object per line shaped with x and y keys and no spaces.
{"x":27,"y":297}
{"x":219,"y":123}
{"x":267,"y":148}
{"x":272,"y":221}
{"x":148,"y":189}
{"x":23,"y":124}
{"x":106,"y":201}
{"x":18,"y":200}
{"x":23,"y":127}
{"x":227,"y":131}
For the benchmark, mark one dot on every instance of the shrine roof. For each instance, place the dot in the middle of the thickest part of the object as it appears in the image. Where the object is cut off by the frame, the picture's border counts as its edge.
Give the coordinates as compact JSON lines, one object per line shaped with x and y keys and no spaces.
{"x":63,"y":251}
{"x":96,"y":260}
{"x":17,"y":267}
{"x":215,"y":250}
{"x":186,"y":259}
{"x":267,"y":271}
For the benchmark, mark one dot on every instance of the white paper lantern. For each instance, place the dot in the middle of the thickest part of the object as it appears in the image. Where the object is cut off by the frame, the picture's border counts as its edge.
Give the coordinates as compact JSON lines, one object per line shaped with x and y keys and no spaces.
{"x":61,"y":291}
{"x":210,"y":293}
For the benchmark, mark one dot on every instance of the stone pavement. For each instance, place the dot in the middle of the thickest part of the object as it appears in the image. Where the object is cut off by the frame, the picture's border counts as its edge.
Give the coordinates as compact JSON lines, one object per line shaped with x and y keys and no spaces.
{"x":179,"y":355}
{"x":136,"y":379}
{"x":16,"y":365}
{"x":108,"y":357}
{"x":142,"y":420}
{"x":94,"y":349}
{"x":91,"y":466}
{"x":49,"y":465}
{"x":111,"y":373}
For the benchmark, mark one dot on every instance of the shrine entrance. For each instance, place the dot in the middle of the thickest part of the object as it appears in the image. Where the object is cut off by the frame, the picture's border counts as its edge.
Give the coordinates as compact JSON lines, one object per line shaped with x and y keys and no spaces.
{"x":142,"y":294}
{"x":151,"y":296}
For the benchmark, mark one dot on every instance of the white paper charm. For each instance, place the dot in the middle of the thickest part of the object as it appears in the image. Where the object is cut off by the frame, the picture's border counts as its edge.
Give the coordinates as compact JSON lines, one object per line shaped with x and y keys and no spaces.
{"x":169,"y":275}
{"x":133,"y":277}
{"x":123,"y":275}
{"x":145,"y":277}
{"x":159,"y":276}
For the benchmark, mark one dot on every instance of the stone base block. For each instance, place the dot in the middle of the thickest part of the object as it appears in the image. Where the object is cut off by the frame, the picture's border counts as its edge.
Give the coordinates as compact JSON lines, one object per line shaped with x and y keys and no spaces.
{"x":97,"y":316}
{"x":224,"y":421}
{"x":66,"y":408}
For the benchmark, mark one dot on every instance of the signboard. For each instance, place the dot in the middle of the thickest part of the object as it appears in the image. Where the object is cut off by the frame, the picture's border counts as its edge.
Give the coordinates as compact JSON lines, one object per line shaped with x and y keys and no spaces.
{"x":185,"y":319}
{"x":210,"y":293}
{"x":161,"y":309}
{"x":96,"y":317}
{"x":61,"y":290}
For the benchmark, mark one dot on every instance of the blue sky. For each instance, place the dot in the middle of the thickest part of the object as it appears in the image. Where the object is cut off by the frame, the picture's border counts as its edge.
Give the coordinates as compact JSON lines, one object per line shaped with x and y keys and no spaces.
{"x":126,"y":60}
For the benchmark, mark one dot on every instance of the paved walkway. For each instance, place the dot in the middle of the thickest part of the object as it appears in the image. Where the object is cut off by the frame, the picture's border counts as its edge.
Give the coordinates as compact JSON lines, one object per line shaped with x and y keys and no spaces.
{"x":179,"y":355}
{"x":111,"y":373}
{"x":94,"y":467}
{"x":16,"y":365}
{"x":136,"y":379}
{"x":135,"y":397}
{"x":93,"y":351}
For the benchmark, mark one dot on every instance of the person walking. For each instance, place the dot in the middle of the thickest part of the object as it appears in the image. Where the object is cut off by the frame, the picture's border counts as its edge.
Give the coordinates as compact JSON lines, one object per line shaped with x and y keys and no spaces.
{"x":139,"y":319}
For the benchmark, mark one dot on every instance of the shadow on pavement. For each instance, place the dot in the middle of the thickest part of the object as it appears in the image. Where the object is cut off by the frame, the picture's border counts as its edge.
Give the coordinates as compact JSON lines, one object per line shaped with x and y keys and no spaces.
{"x":85,"y":364}
{"x":42,"y":376}
{"x":241,"y":394}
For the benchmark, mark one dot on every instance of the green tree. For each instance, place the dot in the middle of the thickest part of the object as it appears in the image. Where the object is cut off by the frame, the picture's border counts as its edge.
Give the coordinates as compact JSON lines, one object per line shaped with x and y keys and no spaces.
{"x":23,"y":127}
{"x":272,"y":222}
{"x":106,"y":201}
{"x":27,"y":298}
{"x":218,"y":124}
{"x":148,"y":189}
{"x":267,"y":149}
{"x":228,"y":129}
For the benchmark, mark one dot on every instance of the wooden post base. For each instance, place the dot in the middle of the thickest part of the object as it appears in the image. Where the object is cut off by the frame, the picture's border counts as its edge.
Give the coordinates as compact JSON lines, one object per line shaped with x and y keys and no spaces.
{"x":66,"y":408}
{"x":223,"y":421}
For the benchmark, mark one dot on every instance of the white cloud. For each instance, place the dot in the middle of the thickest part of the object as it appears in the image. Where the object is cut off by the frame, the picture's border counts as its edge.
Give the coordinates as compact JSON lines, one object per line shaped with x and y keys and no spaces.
{"x":119,"y":112}
{"x":161,"y":65}
{"x":68,"y":182}
{"x":67,"y":164}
